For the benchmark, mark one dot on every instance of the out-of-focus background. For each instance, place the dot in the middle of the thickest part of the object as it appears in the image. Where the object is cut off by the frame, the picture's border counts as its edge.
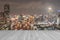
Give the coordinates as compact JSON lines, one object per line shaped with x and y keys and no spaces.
{"x":29,"y":15}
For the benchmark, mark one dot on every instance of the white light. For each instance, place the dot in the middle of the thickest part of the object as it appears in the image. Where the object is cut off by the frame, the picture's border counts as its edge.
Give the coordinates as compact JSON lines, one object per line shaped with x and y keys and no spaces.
{"x":24,"y":16}
{"x":50,"y":8}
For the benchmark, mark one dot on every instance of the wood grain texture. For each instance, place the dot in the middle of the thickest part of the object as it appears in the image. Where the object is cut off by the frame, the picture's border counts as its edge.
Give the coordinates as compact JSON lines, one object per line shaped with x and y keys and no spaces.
{"x":30,"y":35}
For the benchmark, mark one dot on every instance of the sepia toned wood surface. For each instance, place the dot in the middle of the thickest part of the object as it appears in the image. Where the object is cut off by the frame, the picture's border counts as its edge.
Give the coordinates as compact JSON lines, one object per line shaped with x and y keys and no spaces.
{"x":30,"y":35}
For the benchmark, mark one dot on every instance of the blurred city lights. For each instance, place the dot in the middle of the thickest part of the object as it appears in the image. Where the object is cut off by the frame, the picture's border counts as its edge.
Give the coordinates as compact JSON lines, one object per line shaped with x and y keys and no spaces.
{"x":50,"y":8}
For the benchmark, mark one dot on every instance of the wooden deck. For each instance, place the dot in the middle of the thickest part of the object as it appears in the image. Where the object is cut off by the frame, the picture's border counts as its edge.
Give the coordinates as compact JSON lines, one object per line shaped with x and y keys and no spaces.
{"x":30,"y":35}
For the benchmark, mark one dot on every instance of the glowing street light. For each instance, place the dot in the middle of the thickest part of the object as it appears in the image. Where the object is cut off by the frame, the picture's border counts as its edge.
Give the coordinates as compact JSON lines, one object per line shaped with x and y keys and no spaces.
{"x":50,"y":9}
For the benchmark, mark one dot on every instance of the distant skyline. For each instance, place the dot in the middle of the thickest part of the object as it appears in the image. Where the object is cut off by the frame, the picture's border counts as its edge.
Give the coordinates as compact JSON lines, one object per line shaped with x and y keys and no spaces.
{"x":30,"y":6}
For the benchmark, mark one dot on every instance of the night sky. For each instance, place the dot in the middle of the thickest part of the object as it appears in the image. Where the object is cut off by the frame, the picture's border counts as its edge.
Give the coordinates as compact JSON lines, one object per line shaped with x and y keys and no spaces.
{"x":30,"y":6}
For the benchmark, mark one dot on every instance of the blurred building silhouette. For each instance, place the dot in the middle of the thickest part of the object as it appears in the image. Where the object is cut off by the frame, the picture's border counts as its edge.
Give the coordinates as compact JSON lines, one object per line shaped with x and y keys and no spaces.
{"x":4,"y":15}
